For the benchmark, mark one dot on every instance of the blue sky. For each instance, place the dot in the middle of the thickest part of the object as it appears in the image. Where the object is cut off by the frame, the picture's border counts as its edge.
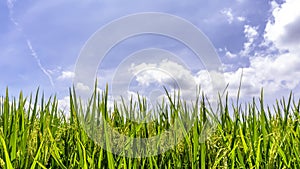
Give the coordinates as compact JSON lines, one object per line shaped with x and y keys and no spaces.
{"x":41,"y":41}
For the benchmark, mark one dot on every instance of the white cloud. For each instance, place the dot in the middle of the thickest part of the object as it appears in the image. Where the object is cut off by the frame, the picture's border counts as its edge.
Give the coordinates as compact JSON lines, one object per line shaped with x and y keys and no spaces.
{"x":241,"y":18}
{"x":227,"y":12}
{"x":274,"y":5}
{"x":10,"y":6}
{"x":276,"y":72}
{"x":284,"y":29}
{"x":283,"y":33}
{"x":64,"y":104}
{"x":149,"y":76}
{"x":172,"y":75}
{"x":203,"y":79}
{"x":82,"y":87}
{"x":250,"y":32}
{"x":149,"y":73}
{"x":1,"y":101}
{"x":167,"y":72}
{"x":251,"y":35}
{"x":66,"y":75}
{"x":229,"y":54}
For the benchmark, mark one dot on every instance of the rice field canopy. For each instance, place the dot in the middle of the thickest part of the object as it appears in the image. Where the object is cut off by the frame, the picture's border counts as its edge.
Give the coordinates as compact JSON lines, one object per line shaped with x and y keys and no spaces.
{"x":35,"y":133}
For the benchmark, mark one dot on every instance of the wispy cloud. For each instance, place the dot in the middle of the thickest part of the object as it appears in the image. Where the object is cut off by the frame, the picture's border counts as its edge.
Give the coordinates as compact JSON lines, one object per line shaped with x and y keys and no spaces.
{"x":35,"y":56}
{"x":228,"y":13}
{"x":10,"y":6}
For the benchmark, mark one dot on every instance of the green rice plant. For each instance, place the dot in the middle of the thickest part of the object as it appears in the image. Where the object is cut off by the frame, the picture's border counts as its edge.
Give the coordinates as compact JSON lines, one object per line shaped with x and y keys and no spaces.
{"x":35,"y":133}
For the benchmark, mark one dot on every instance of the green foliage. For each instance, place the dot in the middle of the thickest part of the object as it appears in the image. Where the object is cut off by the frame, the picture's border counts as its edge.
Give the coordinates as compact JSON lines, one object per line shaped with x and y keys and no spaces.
{"x":34,"y":133}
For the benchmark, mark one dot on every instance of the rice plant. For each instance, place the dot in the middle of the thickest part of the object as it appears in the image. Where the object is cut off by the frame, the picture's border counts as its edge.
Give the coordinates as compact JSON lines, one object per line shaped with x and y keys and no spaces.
{"x":34,"y":133}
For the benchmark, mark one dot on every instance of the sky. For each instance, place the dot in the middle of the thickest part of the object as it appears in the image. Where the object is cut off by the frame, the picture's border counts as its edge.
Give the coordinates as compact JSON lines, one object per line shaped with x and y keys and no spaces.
{"x":41,"y":41}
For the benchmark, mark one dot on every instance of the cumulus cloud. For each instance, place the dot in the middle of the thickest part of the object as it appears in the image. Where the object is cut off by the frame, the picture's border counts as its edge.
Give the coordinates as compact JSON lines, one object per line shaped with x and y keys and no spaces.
{"x":270,"y":73}
{"x":283,"y":32}
{"x":168,"y":73}
{"x":66,"y":75}
{"x":276,"y":72}
{"x":82,"y":87}
{"x":284,"y":29}
{"x":251,"y":35}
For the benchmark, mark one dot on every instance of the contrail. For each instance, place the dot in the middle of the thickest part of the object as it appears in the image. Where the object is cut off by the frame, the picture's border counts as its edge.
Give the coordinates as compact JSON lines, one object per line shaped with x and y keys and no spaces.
{"x":10,"y":6}
{"x":35,"y":56}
